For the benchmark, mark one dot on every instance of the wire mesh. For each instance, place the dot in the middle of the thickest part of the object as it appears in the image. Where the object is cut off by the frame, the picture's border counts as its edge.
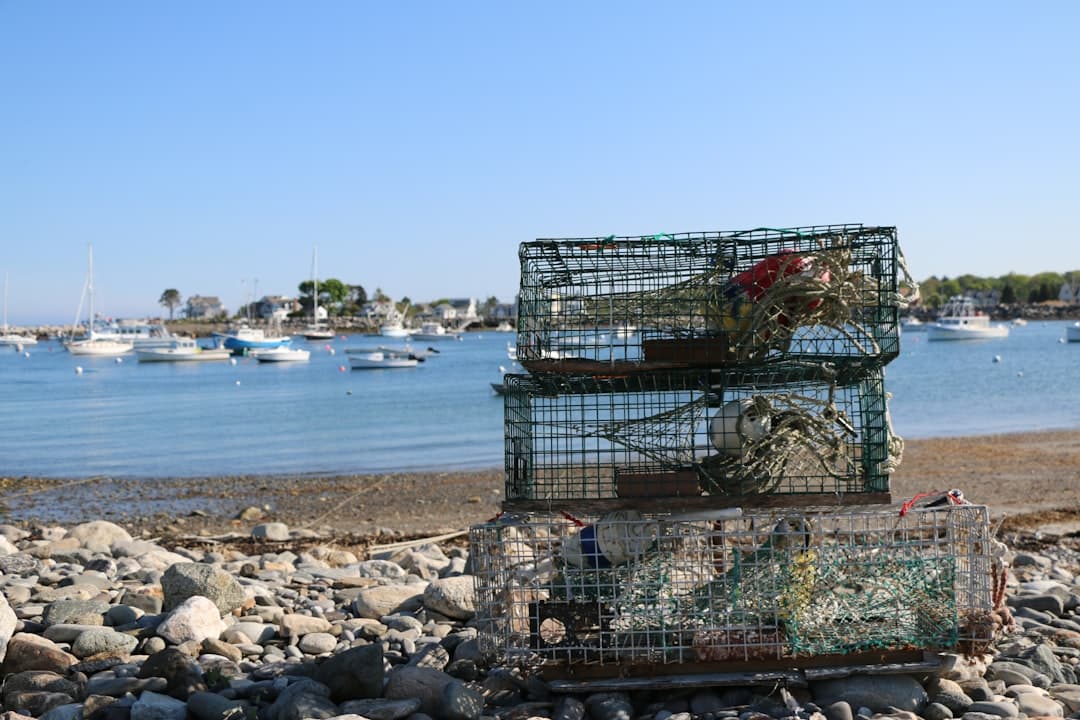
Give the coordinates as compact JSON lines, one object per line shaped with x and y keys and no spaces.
{"x":629,"y":588}
{"x":709,"y":299}
{"x":733,"y":434}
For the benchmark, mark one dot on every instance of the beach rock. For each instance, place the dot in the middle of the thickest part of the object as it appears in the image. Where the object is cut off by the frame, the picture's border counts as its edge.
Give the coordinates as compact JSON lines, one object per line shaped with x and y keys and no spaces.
{"x":186,"y":580}
{"x":26,"y":651}
{"x":272,"y":531}
{"x":8,"y":623}
{"x":461,"y":702}
{"x":211,"y":706}
{"x":302,"y":699}
{"x":182,"y":675}
{"x":423,"y":684}
{"x":36,"y":703}
{"x":75,"y":612}
{"x":195,"y":619}
{"x":99,"y":535}
{"x":454,"y":597}
{"x":379,"y":709}
{"x":294,"y":625}
{"x":354,"y":674}
{"x":317,"y":643}
{"x":70,"y":711}
{"x":37,"y":681}
{"x":879,"y":693}
{"x":994,"y":708}
{"x":103,"y":642}
{"x":1038,"y":705}
{"x":376,"y":602}
{"x":152,"y":706}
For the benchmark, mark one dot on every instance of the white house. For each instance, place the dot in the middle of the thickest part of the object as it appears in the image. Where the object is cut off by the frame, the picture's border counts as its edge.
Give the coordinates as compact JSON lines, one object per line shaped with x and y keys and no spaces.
{"x":1070,"y":292}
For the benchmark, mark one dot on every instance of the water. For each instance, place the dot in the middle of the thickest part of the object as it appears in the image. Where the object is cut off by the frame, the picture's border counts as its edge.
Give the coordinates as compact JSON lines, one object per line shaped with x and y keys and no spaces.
{"x":179,"y":419}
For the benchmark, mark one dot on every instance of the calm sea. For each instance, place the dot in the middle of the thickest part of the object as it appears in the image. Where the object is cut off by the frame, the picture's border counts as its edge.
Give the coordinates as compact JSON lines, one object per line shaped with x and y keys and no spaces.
{"x":161,"y":419}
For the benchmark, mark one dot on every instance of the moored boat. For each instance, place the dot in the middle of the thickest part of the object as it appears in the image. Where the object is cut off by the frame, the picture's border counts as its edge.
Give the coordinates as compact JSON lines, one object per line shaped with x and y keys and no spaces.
{"x":245,"y":337}
{"x":280,"y":354}
{"x":385,"y":358}
{"x":182,"y":350}
{"x":92,"y":343}
{"x":435,"y":331}
{"x":959,"y":320}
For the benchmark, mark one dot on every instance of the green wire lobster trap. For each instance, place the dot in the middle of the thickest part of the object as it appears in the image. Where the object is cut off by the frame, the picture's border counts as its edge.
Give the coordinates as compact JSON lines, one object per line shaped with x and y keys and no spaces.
{"x":710,"y":299}
{"x":719,"y":587}
{"x":750,"y":436}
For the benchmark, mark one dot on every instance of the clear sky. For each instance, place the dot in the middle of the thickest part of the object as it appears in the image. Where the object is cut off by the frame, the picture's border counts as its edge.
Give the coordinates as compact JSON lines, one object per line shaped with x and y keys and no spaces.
{"x":203,"y":145}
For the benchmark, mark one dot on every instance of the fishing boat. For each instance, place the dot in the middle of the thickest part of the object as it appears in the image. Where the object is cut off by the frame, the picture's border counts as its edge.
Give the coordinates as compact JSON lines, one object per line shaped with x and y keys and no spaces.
{"x":381,"y":358}
{"x":316,"y":329}
{"x":182,"y":350}
{"x":140,"y":333}
{"x":912,"y":324}
{"x":435,"y":331}
{"x":959,"y":320}
{"x":92,"y":343}
{"x":280,"y":354}
{"x":394,"y":326}
{"x":10,"y":339}
{"x":245,"y":338}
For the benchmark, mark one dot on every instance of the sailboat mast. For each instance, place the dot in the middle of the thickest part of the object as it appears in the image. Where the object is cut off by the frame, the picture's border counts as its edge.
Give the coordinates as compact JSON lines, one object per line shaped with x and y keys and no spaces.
{"x":90,"y":288}
{"x":315,"y":279}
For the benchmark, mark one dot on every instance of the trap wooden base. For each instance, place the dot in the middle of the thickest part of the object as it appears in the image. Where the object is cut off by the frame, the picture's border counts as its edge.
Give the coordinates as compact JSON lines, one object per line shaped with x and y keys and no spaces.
{"x":691,"y":503}
{"x":792,"y":672}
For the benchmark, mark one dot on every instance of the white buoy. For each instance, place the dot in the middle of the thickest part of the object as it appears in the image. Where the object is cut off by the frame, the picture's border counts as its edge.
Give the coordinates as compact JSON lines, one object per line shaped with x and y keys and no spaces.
{"x":997,"y":358}
{"x":119,"y":360}
{"x":78,"y":369}
{"x":617,"y":538}
{"x":1020,"y":373}
{"x":1061,"y":341}
{"x":237,"y":382}
{"x":737,"y":425}
{"x":26,"y":354}
{"x":332,"y":351}
{"x":232,"y":361}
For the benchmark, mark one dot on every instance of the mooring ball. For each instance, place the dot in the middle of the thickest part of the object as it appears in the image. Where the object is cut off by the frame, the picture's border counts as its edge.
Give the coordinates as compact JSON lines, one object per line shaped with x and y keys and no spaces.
{"x":616,"y":538}
{"x":737,"y":425}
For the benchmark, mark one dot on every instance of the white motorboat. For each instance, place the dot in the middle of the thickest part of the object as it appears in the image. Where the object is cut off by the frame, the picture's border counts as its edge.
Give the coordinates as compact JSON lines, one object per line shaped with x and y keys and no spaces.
{"x":1072,"y":332}
{"x":280,"y":354}
{"x":959,"y":320}
{"x":246,"y":338}
{"x":374,"y":359}
{"x":182,"y":350}
{"x":504,"y":326}
{"x":92,"y":343}
{"x":435,"y":331}
{"x":140,"y":333}
{"x":10,"y":339}
{"x":912,"y":324}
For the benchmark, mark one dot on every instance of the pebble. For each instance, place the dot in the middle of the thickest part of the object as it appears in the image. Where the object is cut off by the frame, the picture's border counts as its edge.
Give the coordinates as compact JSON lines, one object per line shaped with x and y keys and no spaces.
{"x":93,"y":622}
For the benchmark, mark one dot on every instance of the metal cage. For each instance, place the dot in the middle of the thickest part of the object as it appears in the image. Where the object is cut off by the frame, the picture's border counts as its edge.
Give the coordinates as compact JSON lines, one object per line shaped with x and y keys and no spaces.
{"x":721,"y":587}
{"x":709,"y":299}
{"x":710,"y":438}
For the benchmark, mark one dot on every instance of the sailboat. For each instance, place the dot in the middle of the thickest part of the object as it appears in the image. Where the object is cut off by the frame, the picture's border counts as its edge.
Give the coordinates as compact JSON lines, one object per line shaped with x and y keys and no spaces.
{"x":92,"y":343}
{"x":316,"y":330}
{"x":9,"y":339}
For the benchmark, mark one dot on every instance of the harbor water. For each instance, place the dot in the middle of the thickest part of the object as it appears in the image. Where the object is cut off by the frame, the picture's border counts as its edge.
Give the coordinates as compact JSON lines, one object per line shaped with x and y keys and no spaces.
{"x":130,"y":419}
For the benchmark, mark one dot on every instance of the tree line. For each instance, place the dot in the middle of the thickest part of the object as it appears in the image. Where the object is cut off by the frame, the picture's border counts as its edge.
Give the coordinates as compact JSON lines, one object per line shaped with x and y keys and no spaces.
{"x":1014,"y":288}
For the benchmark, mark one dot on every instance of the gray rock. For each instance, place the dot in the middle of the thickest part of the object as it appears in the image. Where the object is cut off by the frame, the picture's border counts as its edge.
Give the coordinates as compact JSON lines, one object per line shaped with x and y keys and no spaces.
{"x":1047,"y":603}
{"x":36,"y":703}
{"x":273,"y":531}
{"x":38,"y":681}
{"x":1043,"y":660}
{"x":937,"y":711}
{"x":295,"y":625}
{"x":152,"y":706}
{"x":993,"y":708}
{"x":609,"y":706}
{"x":186,"y":580}
{"x":1014,"y":673}
{"x":1039,"y":705}
{"x":302,"y":699}
{"x":879,"y":693}
{"x":120,"y":686}
{"x":8,"y":623}
{"x":461,"y":702}
{"x":211,"y":706}
{"x":75,"y":612}
{"x":379,"y":709}
{"x":317,"y":643}
{"x":424,"y":684}
{"x":20,"y":564}
{"x":569,"y":708}
{"x":454,"y":597}
{"x":32,"y":652}
{"x":355,"y":674}
{"x":1068,"y":694}
{"x":103,"y":641}
{"x":182,"y":675}
{"x":71,"y":711}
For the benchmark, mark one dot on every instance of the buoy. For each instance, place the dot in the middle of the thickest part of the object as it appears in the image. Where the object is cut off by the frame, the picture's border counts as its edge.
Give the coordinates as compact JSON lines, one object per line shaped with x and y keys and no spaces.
{"x":326,"y":346}
{"x":616,"y":538}
{"x":331,"y":351}
{"x":232,"y":361}
{"x":737,"y":425}
{"x":1020,"y":373}
{"x":237,"y":382}
{"x":26,"y":354}
{"x":1061,"y":340}
{"x":119,"y":360}
{"x":341,"y":368}
{"x":348,"y":392}
{"x":997,"y":358}
{"x":78,"y":369}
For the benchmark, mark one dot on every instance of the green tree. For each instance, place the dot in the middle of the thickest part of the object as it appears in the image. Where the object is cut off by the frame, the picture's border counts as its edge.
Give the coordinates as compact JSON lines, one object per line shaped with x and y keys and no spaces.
{"x":1008,"y":295}
{"x":170,"y":299}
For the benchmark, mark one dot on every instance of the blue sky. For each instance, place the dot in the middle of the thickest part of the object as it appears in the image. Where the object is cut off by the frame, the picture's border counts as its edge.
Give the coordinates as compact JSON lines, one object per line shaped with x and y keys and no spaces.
{"x":204,"y":145}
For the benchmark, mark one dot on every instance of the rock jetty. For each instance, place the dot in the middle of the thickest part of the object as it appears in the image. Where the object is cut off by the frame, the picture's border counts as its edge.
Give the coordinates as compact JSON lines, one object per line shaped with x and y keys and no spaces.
{"x":97,"y":624}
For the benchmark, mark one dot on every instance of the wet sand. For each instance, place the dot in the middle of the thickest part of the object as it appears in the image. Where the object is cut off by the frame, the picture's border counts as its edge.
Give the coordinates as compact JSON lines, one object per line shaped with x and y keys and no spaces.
{"x":1024,"y":478}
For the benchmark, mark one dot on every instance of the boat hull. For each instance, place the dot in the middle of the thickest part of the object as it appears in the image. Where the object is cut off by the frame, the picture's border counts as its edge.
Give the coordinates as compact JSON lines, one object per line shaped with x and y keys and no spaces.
{"x":378,"y":360}
{"x":16,"y":341}
{"x":945,"y":332}
{"x":185,"y":355}
{"x":99,"y":348}
{"x":281,"y":354}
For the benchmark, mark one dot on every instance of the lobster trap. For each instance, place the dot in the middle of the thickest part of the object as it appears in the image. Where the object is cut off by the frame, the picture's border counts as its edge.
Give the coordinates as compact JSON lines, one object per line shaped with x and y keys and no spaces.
{"x":752,"y":436}
{"x":716,"y":588}
{"x":710,"y":299}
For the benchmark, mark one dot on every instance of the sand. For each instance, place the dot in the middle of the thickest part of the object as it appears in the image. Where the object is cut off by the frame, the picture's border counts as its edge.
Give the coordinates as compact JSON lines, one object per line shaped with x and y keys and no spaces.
{"x":1024,"y":478}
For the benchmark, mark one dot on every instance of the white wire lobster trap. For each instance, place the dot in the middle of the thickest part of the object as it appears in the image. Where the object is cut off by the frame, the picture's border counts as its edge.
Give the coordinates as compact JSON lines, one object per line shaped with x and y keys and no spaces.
{"x":710,"y":299}
{"x":712,"y":438}
{"x":709,"y":590}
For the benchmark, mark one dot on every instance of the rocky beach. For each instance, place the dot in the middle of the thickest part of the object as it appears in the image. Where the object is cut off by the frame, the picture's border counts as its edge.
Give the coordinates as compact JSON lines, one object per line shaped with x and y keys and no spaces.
{"x":288,"y":598}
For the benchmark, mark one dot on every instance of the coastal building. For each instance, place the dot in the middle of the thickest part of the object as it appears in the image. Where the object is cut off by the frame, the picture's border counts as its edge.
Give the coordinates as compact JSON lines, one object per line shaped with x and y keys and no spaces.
{"x":1070,"y":292}
{"x":276,"y":307}
{"x":984,"y":299}
{"x":456,"y":312}
{"x":204,"y":307}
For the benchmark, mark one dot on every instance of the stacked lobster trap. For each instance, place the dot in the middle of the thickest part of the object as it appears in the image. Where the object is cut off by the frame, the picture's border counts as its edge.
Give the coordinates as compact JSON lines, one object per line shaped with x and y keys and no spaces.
{"x":697,"y":462}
